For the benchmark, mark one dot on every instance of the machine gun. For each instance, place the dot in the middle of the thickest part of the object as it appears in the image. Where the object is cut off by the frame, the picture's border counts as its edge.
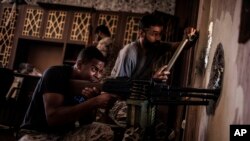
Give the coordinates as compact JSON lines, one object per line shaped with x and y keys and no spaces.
{"x":159,"y":92}
{"x":154,"y":91}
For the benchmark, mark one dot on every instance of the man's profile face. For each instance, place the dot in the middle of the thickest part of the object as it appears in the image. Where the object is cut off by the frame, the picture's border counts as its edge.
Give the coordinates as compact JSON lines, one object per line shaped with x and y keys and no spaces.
{"x":97,"y":38}
{"x":152,"y":36}
{"x":92,"y":71}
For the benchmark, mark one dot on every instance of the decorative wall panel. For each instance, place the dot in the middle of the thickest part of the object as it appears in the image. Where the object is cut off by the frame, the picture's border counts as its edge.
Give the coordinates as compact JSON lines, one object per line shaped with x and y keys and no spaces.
{"x":216,"y":76}
{"x":55,"y":25}
{"x":7,"y":28}
{"x":33,"y":22}
{"x":80,"y":27}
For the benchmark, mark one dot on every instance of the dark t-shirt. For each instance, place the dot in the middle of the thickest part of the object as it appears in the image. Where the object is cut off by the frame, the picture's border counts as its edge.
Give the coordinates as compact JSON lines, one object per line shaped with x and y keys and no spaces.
{"x":54,"y":80}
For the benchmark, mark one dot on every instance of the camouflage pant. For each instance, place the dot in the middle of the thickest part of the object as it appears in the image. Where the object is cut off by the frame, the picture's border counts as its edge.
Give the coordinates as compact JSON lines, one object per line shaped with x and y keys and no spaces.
{"x":91,"y":132}
{"x":158,"y":131}
{"x":118,"y":113}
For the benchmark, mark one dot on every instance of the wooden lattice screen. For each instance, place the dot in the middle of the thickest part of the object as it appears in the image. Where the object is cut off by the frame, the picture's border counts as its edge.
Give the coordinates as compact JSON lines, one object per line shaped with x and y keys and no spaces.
{"x":33,"y":22}
{"x":7,"y":28}
{"x":55,"y":24}
{"x":131,"y":29}
{"x":80,"y":27}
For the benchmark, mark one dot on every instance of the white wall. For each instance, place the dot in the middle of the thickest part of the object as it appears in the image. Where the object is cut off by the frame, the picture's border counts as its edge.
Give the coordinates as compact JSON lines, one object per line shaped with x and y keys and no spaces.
{"x":233,"y":105}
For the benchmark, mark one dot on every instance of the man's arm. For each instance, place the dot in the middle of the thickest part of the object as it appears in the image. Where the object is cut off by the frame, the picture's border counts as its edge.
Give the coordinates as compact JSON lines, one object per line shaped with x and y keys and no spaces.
{"x":125,"y":62}
{"x":58,"y":114}
{"x":188,"y":33}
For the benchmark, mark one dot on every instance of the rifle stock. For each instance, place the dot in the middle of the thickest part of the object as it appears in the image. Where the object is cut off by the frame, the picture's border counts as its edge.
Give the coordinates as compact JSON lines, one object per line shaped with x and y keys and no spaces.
{"x":76,"y":86}
{"x":118,"y":86}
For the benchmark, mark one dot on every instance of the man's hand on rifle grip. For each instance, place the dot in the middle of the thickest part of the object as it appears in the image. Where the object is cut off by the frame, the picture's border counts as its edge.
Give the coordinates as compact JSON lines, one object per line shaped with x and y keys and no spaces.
{"x":90,"y":92}
{"x":189,"y":32}
{"x":161,"y":74}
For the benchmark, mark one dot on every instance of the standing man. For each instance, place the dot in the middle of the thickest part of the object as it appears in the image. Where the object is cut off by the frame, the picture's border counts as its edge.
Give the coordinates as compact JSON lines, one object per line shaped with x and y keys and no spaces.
{"x":103,"y":39}
{"x":104,"y":43}
{"x":53,"y":110}
{"x":137,"y":60}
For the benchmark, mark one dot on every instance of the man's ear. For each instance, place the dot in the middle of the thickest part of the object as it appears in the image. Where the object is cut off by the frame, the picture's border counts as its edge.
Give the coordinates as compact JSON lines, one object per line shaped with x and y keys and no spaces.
{"x":101,"y":34}
{"x":78,"y":64}
{"x":142,"y":33}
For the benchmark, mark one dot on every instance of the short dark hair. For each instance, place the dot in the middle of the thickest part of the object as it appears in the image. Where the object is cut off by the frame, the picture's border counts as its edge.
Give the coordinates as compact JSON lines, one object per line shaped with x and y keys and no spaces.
{"x":103,"y":29}
{"x":150,"y":20}
{"x":89,"y":53}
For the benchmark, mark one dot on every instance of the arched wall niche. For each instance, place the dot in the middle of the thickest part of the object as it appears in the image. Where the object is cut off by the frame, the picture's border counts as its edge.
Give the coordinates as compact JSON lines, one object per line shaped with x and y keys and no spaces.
{"x":216,"y":76}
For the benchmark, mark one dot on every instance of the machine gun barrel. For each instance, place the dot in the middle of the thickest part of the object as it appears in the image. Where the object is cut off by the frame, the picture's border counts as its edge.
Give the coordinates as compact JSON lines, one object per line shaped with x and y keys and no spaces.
{"x":146,"y":89}
{"x":193,"y":90}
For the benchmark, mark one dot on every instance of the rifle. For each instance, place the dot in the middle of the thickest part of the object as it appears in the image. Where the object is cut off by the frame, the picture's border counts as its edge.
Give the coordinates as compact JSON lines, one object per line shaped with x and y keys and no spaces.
{"x":120,"y":86}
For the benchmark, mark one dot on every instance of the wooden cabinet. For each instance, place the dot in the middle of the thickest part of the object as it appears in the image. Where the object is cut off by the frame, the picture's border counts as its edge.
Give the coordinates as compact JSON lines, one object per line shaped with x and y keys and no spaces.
{"x":33,"y":22}
{"x":53,"y":34}
{"x":42,"y":38}
{"x":44,"y":24}
{"x":79,"y":29}
{"x":8,"y":20}
{"x":40,"y":54}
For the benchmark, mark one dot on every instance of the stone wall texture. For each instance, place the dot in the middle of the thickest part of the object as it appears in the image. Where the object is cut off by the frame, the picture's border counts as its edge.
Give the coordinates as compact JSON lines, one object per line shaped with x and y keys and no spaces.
{"x":135,"y":6}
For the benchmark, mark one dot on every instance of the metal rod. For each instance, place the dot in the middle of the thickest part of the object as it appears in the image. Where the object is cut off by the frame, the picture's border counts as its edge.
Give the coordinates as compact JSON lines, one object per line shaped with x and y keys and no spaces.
{"x":193,"y":90}
{"x":180,"y":102}
{"x":176,"y":54}
{"x":205,"y":96}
